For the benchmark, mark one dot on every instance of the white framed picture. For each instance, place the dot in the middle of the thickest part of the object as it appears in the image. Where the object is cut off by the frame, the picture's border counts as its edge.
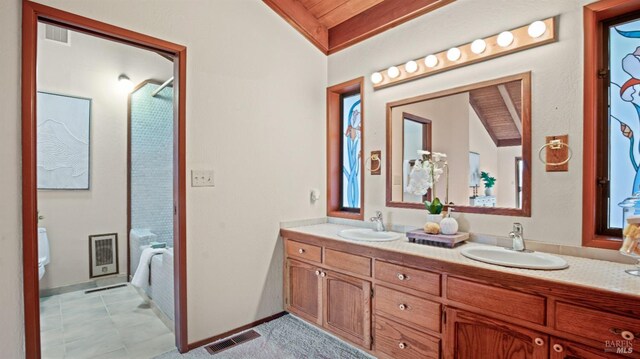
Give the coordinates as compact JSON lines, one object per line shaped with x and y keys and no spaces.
{"x":63,"y":148}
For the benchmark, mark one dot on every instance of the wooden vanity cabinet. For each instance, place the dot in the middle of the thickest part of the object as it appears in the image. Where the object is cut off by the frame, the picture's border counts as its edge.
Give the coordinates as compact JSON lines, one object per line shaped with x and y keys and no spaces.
{"x":338,"y":302}
{"x":347,"y":307}
{"x":563,"y":349}
{"x":303,"y":287}
{"x":424,"y":308}
{"x":470,"y":336}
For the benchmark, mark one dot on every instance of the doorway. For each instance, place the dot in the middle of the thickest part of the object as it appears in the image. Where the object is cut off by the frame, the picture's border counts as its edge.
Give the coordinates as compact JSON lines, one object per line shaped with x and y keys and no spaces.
{"x":33,"y":14}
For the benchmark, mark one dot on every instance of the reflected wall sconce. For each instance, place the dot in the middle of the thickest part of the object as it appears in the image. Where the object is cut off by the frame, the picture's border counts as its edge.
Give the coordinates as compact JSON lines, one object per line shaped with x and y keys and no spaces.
{"x":535,"y":34}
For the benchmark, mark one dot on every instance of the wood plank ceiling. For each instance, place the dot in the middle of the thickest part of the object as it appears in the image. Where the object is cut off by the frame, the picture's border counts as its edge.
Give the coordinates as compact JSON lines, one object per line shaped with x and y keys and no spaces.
{"x":333,"y":25}
{"x":499,"y":109}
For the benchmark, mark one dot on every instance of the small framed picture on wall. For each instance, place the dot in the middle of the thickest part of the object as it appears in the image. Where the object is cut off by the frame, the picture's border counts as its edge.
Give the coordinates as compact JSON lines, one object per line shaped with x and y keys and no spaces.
{"x":103,"y":255}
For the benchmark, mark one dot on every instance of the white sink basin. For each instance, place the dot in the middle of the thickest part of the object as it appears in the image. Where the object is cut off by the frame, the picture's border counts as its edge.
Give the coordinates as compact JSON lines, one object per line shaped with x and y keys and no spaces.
{"x":508,"y":258}
{"x":369,"y":235}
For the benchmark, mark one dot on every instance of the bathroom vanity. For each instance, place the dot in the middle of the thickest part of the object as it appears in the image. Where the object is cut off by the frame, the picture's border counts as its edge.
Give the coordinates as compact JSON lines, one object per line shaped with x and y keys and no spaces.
{"x":402,"y":300}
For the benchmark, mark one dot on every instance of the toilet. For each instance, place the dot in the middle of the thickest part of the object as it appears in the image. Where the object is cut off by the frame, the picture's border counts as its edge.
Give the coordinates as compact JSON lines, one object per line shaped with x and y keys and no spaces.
{"x":43,"y":251}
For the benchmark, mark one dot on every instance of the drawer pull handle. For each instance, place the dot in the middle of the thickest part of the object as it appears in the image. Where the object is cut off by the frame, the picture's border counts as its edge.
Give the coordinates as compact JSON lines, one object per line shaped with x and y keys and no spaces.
{"x":301,"y":251}
{"x":323,"y":274}
{"x":402,"y":307}
{"x":625,"y":334}
{"x":402,"y":276}
{"x":539,"y":342}
{"x":317,"y":272}
{"x":558,"y":348}
{"x":402,"y":345}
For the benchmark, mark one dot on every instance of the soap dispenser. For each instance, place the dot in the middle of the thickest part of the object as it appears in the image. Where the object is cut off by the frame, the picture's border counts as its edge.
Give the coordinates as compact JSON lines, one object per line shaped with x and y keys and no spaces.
{"x":631,"y":233}
{"x":449,"y":225}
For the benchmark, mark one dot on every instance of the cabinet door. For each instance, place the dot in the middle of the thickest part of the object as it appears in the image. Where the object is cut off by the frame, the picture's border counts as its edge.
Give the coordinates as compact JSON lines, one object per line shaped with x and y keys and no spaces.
{"x":347,"y":307}
{"x":303,"y":295}
{"x":470,"y":336}
{"x":562,"y":349}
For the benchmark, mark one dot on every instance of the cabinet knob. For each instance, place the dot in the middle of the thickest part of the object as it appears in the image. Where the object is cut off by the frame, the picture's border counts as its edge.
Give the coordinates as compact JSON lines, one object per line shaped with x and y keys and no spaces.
{"x":323,"y":274}
{"x":301,"y":251}
{"x":402,"y":307}
{"x":317,"y":272}
{"x":401,"y":276}
{"x":558,"y":348}
{"x":627,"y":335}
{"x":539,"y":341}
{"x":402,"y":345}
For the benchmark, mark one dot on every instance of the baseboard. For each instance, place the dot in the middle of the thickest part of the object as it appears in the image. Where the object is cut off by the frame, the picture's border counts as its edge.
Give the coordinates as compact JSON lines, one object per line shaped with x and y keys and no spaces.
{"x":95,"y":283}
{"x":231,"y":332}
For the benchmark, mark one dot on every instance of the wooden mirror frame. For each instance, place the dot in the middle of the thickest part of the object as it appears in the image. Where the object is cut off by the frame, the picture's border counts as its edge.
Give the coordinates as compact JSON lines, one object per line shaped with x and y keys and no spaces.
{"x":525,"y":211}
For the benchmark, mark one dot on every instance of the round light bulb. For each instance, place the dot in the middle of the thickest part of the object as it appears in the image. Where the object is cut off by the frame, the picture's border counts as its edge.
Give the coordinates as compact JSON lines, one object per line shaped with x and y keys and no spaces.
{"x":393,"y":72}
{"x":537,"y":29}
{"x":505,"y":39}
{"x":125,"y":84}
{"x":411,"y":66}
{"x":431,"y":61}
{"x":376,"y":77}
{"x":454,"y":54}
{"x":478,"y":46}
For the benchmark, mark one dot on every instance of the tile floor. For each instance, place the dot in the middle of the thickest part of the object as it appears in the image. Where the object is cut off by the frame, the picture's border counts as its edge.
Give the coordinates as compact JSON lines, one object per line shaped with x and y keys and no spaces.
{"x":115,"y":323}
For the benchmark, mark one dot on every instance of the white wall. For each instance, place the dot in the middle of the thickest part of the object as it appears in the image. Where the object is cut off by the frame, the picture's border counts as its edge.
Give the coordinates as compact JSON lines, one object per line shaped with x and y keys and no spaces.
{"x":480,"y":142}
{"x":556,"y":96}
{"x":89,"y":68}
{"x":12,"y":338}
{"x":255,"y":114}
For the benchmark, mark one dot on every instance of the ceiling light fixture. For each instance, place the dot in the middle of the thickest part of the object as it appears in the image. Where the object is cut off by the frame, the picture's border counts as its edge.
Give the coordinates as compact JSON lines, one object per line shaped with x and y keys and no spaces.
{"x":411,"y":66}
{"x":393,"y":72}
{"x":431,"y":61}
{"x":454,"y":54}
{"x":478,"y":46}
{"x":125,"y":84}
{"x":505,"y":38}
{"x":537,"y":29}
{"x":527,"y":36}
{"x":376,"y":77}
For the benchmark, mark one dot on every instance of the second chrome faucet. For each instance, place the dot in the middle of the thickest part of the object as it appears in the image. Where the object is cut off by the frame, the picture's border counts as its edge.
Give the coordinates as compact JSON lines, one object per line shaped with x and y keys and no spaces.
{"x":377,"y":219}
{"x":517,"y":238}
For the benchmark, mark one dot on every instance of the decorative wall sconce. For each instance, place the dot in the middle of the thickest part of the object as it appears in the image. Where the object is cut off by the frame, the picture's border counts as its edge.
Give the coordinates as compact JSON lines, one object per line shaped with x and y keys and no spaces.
{"x":537,"y":33}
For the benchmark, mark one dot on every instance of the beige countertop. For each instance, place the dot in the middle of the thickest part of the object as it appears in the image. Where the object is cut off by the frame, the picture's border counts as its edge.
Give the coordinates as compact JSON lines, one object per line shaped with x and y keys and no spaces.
{"x":585,"y":272}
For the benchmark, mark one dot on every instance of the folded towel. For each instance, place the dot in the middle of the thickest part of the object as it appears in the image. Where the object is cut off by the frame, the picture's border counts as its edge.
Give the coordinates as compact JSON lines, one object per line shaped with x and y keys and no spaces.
{"x":141,"y":277}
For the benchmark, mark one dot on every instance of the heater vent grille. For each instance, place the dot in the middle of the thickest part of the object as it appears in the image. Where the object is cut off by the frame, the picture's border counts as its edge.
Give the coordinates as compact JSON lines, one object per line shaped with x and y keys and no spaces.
{"x":231,"y":342}
{"x":104,"y":251}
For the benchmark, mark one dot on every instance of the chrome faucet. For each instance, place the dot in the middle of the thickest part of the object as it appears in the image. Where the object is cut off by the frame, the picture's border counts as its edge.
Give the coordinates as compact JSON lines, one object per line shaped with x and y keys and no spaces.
{"x":517,"y":238}
{"x":378,"y":221}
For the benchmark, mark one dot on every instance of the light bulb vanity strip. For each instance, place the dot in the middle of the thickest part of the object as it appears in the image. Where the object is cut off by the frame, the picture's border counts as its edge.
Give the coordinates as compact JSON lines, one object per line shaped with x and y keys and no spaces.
{"x":537,"y":33}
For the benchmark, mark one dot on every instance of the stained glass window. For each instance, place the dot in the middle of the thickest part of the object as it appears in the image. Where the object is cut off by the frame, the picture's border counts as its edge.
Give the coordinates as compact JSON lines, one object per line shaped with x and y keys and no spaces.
{"x":623,"y":116}
{"x":351,"y":144}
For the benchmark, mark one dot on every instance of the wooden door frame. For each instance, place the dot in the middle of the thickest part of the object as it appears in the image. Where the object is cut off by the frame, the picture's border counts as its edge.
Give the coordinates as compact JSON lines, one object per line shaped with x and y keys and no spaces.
{"x":32,"y":13}
{"x":593,"y":15}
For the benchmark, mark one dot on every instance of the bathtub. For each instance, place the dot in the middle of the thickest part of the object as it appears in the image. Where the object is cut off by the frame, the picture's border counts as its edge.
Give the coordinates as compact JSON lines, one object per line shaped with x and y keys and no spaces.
{"x":161,"y":288}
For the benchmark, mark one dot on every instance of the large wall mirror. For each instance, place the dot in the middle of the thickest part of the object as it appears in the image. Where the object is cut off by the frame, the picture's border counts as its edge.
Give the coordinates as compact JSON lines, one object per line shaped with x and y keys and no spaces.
{"x":485,"y":131}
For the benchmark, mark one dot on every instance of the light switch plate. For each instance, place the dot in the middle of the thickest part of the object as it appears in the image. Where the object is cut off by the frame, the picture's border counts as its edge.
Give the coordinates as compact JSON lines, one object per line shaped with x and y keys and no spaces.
{"x":202,"y":178}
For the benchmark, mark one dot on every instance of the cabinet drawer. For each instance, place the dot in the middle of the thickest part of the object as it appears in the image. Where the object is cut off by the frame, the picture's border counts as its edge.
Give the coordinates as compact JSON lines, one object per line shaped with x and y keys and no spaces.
{"x":348,"y":262}
{"x":397,"y":341}
{"x":423,"y":281}
{"x":304,"y":251}
{"x":593,"y":324}
{"x":515,"y":304}
{"x":408,"y":308}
